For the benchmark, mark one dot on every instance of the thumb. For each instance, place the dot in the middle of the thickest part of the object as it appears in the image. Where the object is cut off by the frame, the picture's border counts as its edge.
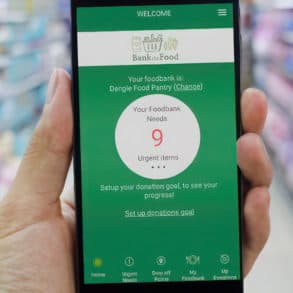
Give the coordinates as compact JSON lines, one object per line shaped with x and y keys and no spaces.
{"x":42,"y":173}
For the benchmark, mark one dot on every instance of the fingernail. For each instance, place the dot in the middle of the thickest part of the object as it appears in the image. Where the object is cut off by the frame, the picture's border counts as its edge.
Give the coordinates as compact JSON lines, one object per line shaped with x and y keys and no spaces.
{"x":52,"y":86}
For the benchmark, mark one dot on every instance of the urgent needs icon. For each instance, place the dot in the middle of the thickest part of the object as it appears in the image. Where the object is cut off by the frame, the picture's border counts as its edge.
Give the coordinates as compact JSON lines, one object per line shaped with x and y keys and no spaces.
{"x":154,"y":47}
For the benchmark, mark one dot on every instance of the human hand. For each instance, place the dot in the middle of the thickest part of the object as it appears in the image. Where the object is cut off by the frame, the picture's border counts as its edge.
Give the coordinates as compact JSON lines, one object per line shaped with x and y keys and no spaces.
{"x":256,"y":167}
{"x":37,"y":230}
{"x":36,"y":227}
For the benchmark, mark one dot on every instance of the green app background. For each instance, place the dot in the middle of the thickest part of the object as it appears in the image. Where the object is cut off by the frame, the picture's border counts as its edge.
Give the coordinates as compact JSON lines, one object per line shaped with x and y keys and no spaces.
{"x":213,"y":231}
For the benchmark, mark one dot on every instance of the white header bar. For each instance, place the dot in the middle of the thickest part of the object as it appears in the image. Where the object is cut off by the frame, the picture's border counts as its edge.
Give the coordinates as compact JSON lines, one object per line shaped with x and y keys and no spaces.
{"x":155,"y":47}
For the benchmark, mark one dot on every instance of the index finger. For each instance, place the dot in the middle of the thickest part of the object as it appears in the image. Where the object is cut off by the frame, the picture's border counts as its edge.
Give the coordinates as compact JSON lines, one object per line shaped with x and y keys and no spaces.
{"x":254,"y":109}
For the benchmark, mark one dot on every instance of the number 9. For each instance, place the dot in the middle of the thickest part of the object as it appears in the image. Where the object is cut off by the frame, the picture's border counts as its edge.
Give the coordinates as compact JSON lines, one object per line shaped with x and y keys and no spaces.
{"x":157,"y":136}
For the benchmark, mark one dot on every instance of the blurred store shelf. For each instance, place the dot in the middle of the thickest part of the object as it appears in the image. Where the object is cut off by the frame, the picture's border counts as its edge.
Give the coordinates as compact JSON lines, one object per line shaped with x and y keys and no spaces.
{"x":273,"y":269}
{"x":14,"y":17}
{"x":34,"y":39}
{"x":273,"y":72}
{"x":273,"y":4}
{"x":272,"y":50}
{"x":35,"y":80}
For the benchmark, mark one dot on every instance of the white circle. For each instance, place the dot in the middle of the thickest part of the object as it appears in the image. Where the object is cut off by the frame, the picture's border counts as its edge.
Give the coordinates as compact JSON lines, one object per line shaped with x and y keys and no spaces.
{"x":142,"y":125}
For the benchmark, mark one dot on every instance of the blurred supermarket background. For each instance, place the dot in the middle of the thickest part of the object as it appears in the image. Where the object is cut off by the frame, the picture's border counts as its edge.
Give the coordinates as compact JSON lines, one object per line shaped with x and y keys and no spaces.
{"x":35,"y":38}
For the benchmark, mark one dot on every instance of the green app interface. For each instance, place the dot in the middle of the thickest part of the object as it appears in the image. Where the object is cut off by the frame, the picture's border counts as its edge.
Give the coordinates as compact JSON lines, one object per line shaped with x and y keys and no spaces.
{"x":158,"y":143}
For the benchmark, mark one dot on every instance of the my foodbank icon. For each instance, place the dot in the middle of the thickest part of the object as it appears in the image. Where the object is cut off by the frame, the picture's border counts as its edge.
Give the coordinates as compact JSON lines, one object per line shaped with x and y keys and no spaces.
{"x":154,"y":48}
{"x":193,"y":260}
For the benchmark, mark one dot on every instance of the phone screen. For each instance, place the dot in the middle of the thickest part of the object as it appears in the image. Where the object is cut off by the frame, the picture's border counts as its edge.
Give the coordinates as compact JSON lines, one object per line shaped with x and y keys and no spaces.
{"x":157,"y":97}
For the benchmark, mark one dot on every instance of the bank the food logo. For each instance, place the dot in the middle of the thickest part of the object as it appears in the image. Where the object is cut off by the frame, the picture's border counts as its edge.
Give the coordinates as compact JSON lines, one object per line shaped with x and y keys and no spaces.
{"x":154,"y":48}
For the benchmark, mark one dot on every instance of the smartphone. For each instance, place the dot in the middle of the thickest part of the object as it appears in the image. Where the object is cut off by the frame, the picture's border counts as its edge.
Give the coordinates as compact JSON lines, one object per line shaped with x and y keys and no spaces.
{"x":156,"y":87}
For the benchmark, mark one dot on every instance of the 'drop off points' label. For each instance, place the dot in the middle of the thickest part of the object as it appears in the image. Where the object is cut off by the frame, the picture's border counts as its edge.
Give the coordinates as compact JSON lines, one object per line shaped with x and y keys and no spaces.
{"x":157,"y":136}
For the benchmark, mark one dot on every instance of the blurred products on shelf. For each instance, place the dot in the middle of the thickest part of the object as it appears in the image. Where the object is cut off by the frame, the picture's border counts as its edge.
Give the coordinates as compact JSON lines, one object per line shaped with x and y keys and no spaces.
{"x":246,"y":41}
{"x":34,"y":38}
{"x":273,"y":72}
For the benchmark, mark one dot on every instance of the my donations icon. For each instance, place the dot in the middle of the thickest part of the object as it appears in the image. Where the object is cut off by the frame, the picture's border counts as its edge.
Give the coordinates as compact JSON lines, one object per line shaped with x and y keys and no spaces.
{"x":157,"y":136}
